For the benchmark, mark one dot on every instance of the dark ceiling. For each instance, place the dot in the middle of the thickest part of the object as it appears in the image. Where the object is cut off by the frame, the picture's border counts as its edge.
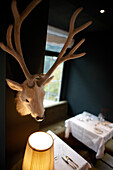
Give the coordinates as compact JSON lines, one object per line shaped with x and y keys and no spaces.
{"x":60,"y":12}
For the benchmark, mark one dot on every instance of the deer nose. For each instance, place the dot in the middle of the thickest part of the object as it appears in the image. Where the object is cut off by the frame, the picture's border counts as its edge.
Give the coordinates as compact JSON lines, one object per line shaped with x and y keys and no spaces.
{"x":39,"y":119}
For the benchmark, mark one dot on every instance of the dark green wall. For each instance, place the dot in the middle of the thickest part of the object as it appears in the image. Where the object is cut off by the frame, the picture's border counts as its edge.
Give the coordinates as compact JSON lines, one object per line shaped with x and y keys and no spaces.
{"x":2,"y":87}
{"x":88,"y":81}
{"x":2,"y":109}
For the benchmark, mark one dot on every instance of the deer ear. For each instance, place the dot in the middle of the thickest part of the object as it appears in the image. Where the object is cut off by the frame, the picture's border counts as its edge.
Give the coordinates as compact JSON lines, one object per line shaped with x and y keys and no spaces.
{"x":48,"y":80}
{"x":14,"y":85}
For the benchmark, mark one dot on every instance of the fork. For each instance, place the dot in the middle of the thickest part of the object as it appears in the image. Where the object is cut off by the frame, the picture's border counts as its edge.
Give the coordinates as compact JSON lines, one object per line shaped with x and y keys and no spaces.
{"x":72,"y":161}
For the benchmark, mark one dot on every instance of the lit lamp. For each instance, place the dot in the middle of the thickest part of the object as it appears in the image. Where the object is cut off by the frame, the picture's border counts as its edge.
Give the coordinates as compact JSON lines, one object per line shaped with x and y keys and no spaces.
{"x":39,"y":153}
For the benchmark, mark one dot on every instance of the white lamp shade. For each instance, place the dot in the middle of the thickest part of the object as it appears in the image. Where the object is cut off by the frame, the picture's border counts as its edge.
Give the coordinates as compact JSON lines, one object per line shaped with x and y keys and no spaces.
{"x":39,"y":153}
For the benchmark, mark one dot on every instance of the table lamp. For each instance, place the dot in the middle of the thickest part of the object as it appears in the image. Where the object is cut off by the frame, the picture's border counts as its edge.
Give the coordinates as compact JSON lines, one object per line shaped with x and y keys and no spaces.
{"x":39,"y":152}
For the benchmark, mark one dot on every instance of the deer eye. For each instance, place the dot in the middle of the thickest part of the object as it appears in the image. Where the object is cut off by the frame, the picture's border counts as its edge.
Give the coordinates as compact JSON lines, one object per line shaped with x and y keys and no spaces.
{"x":27,"y":100}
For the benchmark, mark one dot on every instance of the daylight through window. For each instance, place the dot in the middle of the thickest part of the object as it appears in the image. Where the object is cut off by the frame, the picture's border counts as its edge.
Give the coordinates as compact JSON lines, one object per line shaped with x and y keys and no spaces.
{"x":56,"y":39}
{"x":53,"y":88}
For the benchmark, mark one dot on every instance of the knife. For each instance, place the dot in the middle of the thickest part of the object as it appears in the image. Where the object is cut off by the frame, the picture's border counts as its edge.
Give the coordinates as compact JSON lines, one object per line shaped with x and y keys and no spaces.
{"x":68,"y":163}
{"x":67,"y":157}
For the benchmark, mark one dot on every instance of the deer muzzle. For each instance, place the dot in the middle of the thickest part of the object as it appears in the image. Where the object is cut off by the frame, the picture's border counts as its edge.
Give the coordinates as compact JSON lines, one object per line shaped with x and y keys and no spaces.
{"x":39,"y":119}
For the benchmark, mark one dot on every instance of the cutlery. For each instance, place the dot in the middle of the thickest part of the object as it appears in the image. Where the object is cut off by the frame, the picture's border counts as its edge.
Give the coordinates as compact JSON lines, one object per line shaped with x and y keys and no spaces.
{"x":64,"y":159}
{"x":100,"y":129}
{"x":107,"y":125}
{"x":71,"y":161}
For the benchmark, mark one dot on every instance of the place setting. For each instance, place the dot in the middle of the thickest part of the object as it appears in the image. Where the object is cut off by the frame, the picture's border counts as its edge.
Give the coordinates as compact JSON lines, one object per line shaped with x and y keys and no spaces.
{"x":102,"y":126}
{"x":67,"y":160}
{"x":85,"y":117}
{"x":61,"y":156}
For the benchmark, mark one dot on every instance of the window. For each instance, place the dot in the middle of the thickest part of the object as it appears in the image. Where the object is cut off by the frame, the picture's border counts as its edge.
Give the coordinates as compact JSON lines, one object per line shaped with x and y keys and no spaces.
{"x":54,"y":43}
{"x":53,"y":88}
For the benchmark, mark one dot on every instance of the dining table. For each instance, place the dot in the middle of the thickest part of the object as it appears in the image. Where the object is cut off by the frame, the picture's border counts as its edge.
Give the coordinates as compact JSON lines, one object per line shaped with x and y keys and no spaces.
{"x":65,"y":158}
{"x":90,"y":130}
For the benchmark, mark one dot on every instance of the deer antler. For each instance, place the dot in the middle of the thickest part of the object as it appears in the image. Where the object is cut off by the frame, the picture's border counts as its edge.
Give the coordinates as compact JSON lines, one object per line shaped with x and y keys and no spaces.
{"x":18,"y":55}
{"x":72,"y":33}
{"x":42,"y":79}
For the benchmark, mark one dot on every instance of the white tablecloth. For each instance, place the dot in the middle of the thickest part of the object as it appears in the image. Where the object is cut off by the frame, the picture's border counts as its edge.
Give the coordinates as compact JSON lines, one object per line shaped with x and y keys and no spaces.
{"x":62,"y":149}
{"x":83,"y":128}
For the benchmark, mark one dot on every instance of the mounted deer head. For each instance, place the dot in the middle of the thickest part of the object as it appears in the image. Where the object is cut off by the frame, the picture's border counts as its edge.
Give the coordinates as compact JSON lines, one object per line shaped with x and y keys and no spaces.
{"x":30,"y":94}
